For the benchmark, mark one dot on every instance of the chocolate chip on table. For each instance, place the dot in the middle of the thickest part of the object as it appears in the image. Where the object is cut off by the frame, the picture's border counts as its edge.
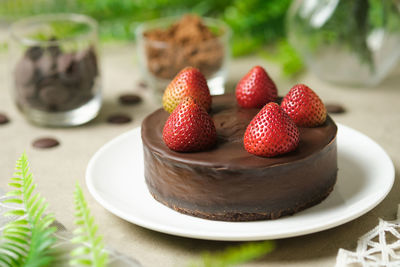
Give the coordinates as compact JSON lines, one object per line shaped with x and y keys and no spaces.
{"x":335,"y":108}
{"x":119,"y":119}
{"x":3,"y":119}
{"x":129,"y":99}
{"x":45,"y":142}
{"x":142,"y":84}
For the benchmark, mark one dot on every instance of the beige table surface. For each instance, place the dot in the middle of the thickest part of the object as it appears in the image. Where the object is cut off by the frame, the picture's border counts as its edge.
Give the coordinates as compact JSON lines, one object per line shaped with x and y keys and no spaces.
{"x":375,"y":112}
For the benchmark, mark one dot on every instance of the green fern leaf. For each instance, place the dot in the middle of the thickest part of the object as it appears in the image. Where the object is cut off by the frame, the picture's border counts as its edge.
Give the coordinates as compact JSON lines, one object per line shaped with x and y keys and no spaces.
{"x":13,"y":200}
{"x":28,"y":241}
{"x":91,"y":250}
{"x":236,"y":255}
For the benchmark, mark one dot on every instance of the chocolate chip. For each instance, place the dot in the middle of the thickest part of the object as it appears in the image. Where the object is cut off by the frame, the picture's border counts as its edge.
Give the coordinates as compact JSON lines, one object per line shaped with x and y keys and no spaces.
{"x":45,"y":142}
{"x":119,"y":119}
{"x":54,"y":49}
{"x":27,"y":91}
{"x":34,"y":53}
{"x":129,"y":99}
{"x":46,"y":64}
{"x":64,"y":62}
{"x":24,"y":72}
{"x":335,"y":108}
{"x":142,"y":84}
{"x":54,"y":95}
{"x":3,"y":119}
{"x":56,"y":81}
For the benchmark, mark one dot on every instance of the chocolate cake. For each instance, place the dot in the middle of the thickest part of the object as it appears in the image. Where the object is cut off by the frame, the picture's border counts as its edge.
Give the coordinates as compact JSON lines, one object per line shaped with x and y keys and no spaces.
{"x":228,"y":183}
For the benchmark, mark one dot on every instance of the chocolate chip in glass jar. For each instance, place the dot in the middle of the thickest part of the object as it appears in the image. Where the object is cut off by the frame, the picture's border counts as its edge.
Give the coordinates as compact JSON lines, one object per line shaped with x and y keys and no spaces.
{"x":34,"y":53}
{"x":56,"y":87}
{"x":56,"y":84}
{"x":54,"y":96}
{"x":46,"y":142}
{"x":54,"y":49}
{"x":65,"y":62}
{"x":68,"y":70}
{"x":24,"y":72}
{"x":46,"y":65}
{"x":27,"y":92}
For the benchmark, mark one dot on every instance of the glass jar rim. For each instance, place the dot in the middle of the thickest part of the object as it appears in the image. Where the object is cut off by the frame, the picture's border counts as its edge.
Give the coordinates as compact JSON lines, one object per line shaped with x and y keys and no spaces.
{"x":166,"y":21}
{"x":16,"y":26}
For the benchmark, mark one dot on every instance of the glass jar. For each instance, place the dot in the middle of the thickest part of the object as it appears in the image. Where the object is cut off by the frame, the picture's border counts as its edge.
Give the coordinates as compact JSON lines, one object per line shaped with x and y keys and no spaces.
{"x":162,"y":57}
{"x":55,"y":69}
{"x":347,"y":42}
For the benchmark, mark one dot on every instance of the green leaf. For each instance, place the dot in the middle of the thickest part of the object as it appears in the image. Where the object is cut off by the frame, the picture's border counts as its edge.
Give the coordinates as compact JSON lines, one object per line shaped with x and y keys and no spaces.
{"x":32,"y":201}
{"x":78,"y":262}
{"x":82,"y":250}
{"x":90,"y":252}
{"x":14,"y":227}
{"x":14,"y":193}
{"x":80,"y":239}
{"x":13,"y":200}
{"x":13,"y":248}
{"x":27,"y":242}
{"x":15,"y":239}
{"x":17,"y":185}
{"x":15,"y":213}
{"x":17,"y":222}
{"x":236,"y":255}
{"x":287,"y":56}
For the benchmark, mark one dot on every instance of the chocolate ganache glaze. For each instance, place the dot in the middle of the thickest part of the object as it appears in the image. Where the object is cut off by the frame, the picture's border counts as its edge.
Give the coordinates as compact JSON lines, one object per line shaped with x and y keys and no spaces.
{"x":228,"y":183}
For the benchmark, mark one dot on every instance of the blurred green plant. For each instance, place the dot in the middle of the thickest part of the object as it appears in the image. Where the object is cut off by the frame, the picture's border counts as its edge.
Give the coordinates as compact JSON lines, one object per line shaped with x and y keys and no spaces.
{"x":284,"y":54}
{"x":237,"y":255}
{"x":29,"y":241}
{"x":256,"y":24}
{"x":90,"y":251}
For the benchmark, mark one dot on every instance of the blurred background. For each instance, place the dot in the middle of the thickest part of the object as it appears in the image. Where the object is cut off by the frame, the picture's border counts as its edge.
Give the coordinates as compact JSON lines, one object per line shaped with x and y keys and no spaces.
{"x":361,"y":27}
{"x":255,"y":23}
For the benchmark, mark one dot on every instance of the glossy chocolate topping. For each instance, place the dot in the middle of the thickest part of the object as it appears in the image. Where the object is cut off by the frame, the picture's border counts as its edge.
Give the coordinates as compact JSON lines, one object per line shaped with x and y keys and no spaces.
{"x":228,"y":183}
{"x":231,"y":122}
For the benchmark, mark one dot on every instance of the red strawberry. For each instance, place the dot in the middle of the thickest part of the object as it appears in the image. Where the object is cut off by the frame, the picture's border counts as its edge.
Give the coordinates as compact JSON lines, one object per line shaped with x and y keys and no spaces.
{"x":304,"y":106}
{"x":189,"y":82}
{"x":271,"y":132}
{"x":255,"y":89}
{"x":189,"y":128}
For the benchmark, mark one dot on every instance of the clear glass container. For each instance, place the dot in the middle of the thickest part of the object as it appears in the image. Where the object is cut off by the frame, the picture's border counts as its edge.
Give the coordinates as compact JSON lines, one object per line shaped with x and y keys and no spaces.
{"x":347,"y":42}
{"x":160,"y":61}
{"x":55,"y":69}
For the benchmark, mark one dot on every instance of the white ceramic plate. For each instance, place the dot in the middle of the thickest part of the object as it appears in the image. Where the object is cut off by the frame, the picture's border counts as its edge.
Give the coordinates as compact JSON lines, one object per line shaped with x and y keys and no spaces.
{"x":115,"y":179}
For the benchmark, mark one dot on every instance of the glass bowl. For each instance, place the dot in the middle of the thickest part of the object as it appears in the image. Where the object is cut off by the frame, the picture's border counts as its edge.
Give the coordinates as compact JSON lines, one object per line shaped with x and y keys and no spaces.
{"x":55,"y":69}
{"x":352,"y":43}
{"x":161,"y":60}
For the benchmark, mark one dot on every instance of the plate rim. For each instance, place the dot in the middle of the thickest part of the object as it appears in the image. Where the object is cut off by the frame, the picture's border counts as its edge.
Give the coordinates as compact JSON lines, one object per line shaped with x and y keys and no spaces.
{"x":222,"y":236}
